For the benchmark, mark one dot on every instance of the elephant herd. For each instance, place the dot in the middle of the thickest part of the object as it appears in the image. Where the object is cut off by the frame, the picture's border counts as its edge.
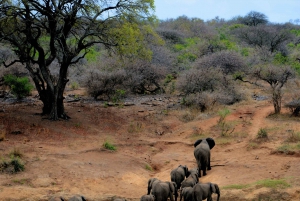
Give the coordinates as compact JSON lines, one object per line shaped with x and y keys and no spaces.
{"x":74,"y":198}
{"x":186,"y":181}
{"x":183,"y":180}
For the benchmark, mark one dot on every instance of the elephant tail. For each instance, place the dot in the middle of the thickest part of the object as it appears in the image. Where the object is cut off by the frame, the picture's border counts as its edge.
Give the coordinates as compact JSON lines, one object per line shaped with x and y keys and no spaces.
{"x":218,"y":192}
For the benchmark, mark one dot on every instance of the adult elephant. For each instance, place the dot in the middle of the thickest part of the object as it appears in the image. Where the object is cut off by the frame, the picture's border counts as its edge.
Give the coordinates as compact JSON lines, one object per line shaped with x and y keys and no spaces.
{"x":179,"y":174}
{"x":164,"y":190}
{"x":151,"y":184}
{"x":204,"y":191}
{"x":202,"y":154}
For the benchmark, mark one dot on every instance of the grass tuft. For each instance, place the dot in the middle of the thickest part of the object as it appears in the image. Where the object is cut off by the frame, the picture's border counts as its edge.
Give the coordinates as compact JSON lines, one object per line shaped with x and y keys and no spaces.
{"x":262,"y":134}
{"x":108,"y":145}
{"x":16,"y":153}
{"x":12,"y":166}
{"x":237,"y":186}
{"x":268,"y":183}
{"x":148,"y":167}
{"x":272,"y":183}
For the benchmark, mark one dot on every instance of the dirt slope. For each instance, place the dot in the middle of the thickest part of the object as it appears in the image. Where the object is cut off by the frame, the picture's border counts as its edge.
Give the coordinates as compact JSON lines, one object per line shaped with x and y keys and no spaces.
{"x":67,"y":157}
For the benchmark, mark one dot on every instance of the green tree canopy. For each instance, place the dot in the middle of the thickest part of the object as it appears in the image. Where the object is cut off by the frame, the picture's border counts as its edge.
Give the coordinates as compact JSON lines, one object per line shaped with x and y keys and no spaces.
{"x":42,"y":33}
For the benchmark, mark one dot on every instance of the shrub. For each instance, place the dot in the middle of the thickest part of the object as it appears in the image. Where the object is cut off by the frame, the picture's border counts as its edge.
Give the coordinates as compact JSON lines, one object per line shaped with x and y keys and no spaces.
{"x":293,"y":137}
{"x":143,"y":77}
{"x":228,"y":61}
{"x":12,"y":166}
{"x":199,"y":80}
{"x":108,"y":145}
{"x":262,"y":134}
{"x":16,"y":153}
{"x":20,"y":86}
{"x":74,"y":85}
{"x":148,"y":167}
{"x":201,"y":101}
{"x":103,"y":82}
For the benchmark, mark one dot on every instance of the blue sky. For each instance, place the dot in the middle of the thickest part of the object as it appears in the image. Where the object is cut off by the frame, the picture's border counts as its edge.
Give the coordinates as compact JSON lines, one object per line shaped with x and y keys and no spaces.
{"x":277,"y":11}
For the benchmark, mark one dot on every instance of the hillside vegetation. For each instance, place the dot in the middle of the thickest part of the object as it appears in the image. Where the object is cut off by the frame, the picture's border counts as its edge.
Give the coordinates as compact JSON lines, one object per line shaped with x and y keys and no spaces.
{"x":136,"y":117}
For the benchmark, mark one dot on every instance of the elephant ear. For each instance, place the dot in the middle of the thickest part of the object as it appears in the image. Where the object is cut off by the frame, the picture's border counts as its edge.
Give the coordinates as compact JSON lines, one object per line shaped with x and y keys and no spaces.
{"x":172,"y":186}
{"x":210,"y":142}
{"x":214,"y":188}
{"x":197,"y":142}
{"x":186,"y":170}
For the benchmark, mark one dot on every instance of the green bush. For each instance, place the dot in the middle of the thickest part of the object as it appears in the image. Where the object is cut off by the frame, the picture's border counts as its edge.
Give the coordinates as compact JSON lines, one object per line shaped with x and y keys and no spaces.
{"x":108,"y":145}
{"x":20,"y":86}
{"x":13,"y":166}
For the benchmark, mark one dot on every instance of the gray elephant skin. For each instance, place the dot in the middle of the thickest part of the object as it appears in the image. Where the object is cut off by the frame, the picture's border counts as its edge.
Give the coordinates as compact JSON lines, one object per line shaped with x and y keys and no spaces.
{"x":74,"y":198}
{"x":77,"y":198}
{"x":179,"y":174}
{"x":151,"y":184}
{"x":56,"y":199}
{"x":164,"y":190}
{"x":192,"y":179}
{"x":147,"y":198}
{"x":204,"y":191}
{"x":186,"y":193}
{"x":202,"y":154}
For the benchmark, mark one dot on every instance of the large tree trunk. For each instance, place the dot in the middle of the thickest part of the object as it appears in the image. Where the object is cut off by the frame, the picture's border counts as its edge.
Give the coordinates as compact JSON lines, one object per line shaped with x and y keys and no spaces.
{"x":52,"y":99}
{"x":277,"y":100}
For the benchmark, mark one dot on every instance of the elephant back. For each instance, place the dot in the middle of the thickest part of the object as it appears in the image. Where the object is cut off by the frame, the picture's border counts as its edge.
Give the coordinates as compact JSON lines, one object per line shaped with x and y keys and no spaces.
{"x":178,"y":175}
{"x":201,"y":149}
{"x":161,"y":191}
{"x":187,"y":193}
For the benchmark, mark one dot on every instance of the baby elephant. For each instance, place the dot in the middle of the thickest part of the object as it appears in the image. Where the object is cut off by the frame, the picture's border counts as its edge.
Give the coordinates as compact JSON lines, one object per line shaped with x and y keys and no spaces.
{"x":186,"y":193}
{"x":147,"y":198}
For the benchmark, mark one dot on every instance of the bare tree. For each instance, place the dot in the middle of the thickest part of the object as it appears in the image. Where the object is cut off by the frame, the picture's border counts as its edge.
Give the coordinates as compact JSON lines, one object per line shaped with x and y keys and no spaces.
{"x":228,"y":61}
{"x":276,"y":77}
{"x":143,"y":77}
{"x":43,"y":32}
{"x":270,"y":36}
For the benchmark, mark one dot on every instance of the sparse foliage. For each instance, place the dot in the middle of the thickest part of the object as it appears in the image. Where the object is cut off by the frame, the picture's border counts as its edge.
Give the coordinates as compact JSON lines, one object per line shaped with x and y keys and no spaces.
{"x":276,"y":77}
{"x":262,"y":133}
{"x":228,"y":61}
{"x":105,"y":83}
{"x":142,"y":77}
{"x":271,"y":37}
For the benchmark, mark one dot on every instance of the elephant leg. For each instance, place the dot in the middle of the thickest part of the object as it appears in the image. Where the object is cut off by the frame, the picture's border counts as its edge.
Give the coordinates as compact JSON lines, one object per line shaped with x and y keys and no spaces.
{"x":209,"y":167}
{"x":199,"y":168}
{"x":204,"y":165}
